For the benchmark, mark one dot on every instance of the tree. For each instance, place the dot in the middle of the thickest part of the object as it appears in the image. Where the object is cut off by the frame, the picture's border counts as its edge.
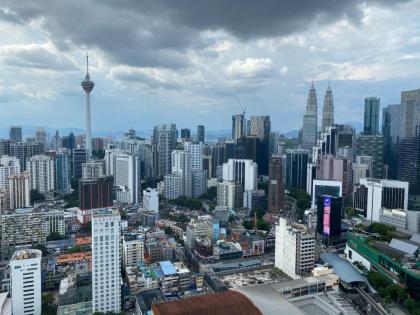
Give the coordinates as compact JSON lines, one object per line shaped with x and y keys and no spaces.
{"x":248,"y":225}
{"x":260,"y":212}
{"x":42,"y":248}
{"x":351,"y":212}
{"x":168,"y":230}
{"x":36,"y":196}
{"x":54,"y":236}
{"x":263,"y":225}
{"x":49,"y":307}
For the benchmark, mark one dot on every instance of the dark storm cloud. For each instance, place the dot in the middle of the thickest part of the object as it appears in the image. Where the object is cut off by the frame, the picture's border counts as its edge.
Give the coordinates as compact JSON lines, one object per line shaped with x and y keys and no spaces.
{"x":158,"y":33}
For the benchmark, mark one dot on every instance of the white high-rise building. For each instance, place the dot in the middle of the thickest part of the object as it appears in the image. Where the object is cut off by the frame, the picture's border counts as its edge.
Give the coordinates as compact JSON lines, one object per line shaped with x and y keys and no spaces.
{"x":125,"y":168}
{"x":41,"y":169}
{"x":151,"y":200}
{"x":196,"y":151}
{"x":8,"y":165}
{"x":19,"y":191}
{"x":244,"y":172}
{"x":25,"y":267}
{"x":172,"y":186}
{"x":229,"y":194}
{"x":238,"y":126}
{"x":87,"y":86}
{"x":106,"y":272}
{"x":181,"y":164}
{"x":92,"y":169}
{"x":295,"y":248}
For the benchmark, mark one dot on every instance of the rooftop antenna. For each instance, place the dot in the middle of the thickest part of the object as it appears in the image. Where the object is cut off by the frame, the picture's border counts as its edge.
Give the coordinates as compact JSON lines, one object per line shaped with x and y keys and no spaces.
{"x":240,"y":104}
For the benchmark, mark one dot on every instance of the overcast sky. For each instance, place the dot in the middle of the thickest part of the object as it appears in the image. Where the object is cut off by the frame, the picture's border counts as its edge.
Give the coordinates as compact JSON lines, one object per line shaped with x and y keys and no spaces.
{"x":184,"y":61}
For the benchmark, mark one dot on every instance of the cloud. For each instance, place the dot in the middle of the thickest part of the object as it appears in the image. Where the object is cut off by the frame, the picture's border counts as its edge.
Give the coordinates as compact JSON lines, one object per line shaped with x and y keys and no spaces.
{"x":158,"y":33}
{"x":250,"y":68}
{"x":36,"y":56}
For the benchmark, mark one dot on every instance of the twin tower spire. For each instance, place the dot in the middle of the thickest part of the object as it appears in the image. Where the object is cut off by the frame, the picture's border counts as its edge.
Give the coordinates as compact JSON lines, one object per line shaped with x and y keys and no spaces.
{"x":309,"y":132}
{"x":327,"y":110}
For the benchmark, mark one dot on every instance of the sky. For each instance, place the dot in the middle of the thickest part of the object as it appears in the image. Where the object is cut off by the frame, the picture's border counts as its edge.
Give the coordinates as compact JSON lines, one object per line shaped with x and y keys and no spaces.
{"x":187,"y":61}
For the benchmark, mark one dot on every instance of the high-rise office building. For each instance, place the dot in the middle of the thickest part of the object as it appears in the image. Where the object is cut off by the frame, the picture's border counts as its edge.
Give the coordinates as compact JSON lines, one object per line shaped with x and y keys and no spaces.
{"x":93,"y":169}
{"x":310,"y":120}
{"x":362,"y":168}
{"x":408,"y":153}
{"x":201,"y":134}
{"x":19,"y":192}
{"x":87,"y":86}
{"x":238,"y":127}
{"x":69,"y":142}
{"x":196,"y":151}
{"x":4,"y":202}
{"x":164,"y":136}
{"x":125,"y":168}
{"x":62,"y":173}
{"x":295,"y":249}
{"x":372,"y":145}
{"x":371,"y":122}
{"x":296,"y":168}
{"x":96,"y":193}
{"x":261,"y":128}
{"x":106,"y":269}
{"x":15,"y":133}
{"x":25,"y":267}
{"x":23,"y":151}
{"x":328,"y":109}
{"x":390,"y":132}
{"x":374,"y":194}
{"x":41,"y":139}
{"x":41,"y":170}
{"x":275,"y":184}
{"x":329,"y":167}
{"x":79,"y":157}
{"x":185,"y":133}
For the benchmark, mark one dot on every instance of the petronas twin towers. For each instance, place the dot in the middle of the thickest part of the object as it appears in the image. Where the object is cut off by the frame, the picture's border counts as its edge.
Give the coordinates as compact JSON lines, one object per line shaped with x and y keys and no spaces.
{"x":309,"y":130}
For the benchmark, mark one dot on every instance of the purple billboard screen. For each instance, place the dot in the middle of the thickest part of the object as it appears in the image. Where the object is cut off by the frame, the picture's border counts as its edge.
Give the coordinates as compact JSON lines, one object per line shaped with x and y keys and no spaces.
{"x":327,"y":213}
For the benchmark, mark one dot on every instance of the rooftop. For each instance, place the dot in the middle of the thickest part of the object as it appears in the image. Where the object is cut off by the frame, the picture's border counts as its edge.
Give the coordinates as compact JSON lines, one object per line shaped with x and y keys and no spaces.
{"x":26,"y":254}
{"x":342,"y":268}
{"x":167,"y":267}
{"x":223,"y":303}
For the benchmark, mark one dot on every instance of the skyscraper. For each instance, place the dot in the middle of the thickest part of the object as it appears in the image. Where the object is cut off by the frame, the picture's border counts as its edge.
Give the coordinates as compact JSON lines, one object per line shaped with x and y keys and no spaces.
{"x":164,"y":136}
{"x":106,"y":268}
{"x":372,"y":145}
{"x":62,"y":173}
{"x":296,"y":168}
{"x":41,"y":169}
{"x":371,"y":124}
{"x":95,"y":193}
{"x":79,"y":157}
{"x":275,"y":184}
{"x":185,"y":133}
{"x":328,"y":109}
{"x":261,"y":128}
{"x":87,"y":86}
{"x":310,"y":120}
{"x":20,"y":187}
{"x":23,"y":151}
{"x":25,"y":267}
{"x":201,"y":133}
{"x":15,"y":133}
{"x":390,"y":132}
{"x":238,"y":127}
{"x":41,"y":138}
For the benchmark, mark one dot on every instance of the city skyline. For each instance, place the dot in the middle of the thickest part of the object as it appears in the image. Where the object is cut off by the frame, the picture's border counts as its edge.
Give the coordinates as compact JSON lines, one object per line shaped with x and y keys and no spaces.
{"x":146,"y":79}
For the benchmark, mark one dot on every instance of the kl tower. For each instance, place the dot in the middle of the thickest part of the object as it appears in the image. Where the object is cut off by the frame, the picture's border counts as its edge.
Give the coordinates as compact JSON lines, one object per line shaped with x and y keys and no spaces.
{"x":87,"y":86}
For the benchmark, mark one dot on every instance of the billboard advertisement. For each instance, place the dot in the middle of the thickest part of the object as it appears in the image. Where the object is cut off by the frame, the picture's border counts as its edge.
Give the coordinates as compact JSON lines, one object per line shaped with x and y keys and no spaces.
{"x":327,"y":214}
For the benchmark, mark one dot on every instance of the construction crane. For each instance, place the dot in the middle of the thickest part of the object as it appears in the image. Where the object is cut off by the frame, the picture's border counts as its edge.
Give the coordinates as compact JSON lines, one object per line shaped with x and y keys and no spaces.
{"x":240,"y":104}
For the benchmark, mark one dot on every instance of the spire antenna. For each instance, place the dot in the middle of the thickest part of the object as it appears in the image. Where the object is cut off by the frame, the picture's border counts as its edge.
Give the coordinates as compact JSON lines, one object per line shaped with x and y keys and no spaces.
{"x":87,"y":62}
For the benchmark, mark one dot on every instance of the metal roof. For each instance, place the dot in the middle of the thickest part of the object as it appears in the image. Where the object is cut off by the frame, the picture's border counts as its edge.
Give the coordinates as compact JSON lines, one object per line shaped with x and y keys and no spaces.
{"x":342,"y":268}
{"x":415,"y":238}
{"x":404,"y":246}
{"x":167,"y":267}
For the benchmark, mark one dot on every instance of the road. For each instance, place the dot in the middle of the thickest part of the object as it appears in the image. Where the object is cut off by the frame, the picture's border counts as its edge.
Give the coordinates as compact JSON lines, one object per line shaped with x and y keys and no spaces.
{"x":376,"y":306}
